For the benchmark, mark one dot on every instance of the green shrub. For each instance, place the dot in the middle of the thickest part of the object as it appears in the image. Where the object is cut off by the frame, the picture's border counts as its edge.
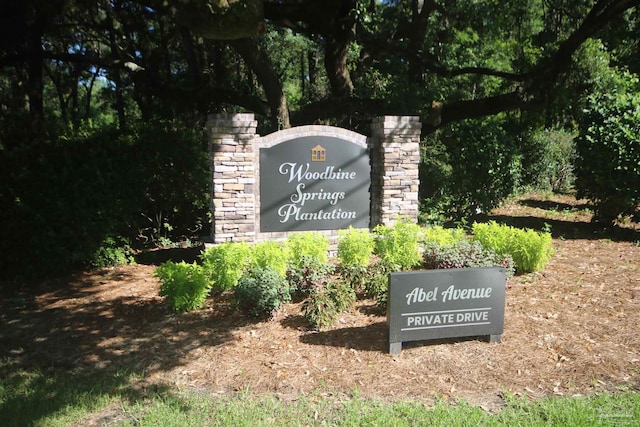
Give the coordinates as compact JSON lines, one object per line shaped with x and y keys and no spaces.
{"x":225,"y":263}
{"x":356,"y":275}
{"x":271,"y":254}
{"x":474,"y":164}
{"x":465,"y":254}
{"x":377,"y":283}
{"x":184,"y":285}
{"x":112,"y":251}
{"x":443,"y":236}
{"x":548,"y":158}
{"x":327,"y":298}
{"x":355,"y":247}
{"x":530,"y":250}
{"x":100,"y":185}
{"x":319,"y":309}
{"x":399,"y":244}
{"x":311,"y":244}
{"x":261,"y":291}
{"x":342,"y":293}
{"x":608,"y":163}
{"x":309,"y":273}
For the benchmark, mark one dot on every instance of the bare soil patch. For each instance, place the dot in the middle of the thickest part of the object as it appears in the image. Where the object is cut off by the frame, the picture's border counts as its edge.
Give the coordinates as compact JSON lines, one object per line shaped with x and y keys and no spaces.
{"x":571,"y":329}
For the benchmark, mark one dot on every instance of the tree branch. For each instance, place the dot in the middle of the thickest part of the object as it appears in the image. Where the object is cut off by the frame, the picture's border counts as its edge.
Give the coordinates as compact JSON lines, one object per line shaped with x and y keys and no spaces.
{"x":259,"y":63}
{"x":541,"y":82}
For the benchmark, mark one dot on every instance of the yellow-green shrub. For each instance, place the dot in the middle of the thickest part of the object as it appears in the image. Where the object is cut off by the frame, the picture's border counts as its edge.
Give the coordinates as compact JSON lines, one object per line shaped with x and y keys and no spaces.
{"x":270,"y":254}
{"x":398,"y":245}
{"x":355,"y":247}
{"x":443,"y":236}
{"x":530,"y":250}
{"x":184,"y":285}
{"x":308,"y":244}
{"x":225,"y":263}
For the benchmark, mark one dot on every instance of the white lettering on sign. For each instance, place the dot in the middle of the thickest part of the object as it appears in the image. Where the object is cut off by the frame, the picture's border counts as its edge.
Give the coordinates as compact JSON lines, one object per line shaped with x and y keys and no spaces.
{"x":446,"y":319}
{"x":453,"y":294}
{"x":300,"y":196}
{"x":418,"y":294}
{"x":291,"y":211}
{"x":300,"y":173}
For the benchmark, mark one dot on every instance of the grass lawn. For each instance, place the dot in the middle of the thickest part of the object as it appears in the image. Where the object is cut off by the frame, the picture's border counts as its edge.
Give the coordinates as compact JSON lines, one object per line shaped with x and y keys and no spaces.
{"x":37,"y":398}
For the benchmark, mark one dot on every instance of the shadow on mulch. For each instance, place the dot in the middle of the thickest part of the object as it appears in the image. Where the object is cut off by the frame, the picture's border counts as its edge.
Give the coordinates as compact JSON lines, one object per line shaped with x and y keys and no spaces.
{"x":159,"y":256}
{"x":373,"y":337}
{"x":563,"y":229}
{"x":552,"y":205}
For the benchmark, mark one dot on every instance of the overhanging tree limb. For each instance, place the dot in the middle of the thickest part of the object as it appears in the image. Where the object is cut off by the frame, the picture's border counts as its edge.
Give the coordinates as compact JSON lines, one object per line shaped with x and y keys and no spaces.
{"x":541,"y":81}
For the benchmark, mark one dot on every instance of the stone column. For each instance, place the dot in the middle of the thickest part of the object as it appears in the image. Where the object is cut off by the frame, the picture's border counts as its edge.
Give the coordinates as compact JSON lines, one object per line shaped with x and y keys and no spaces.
{"x":395,"y":156}
{"x":233,"y":176}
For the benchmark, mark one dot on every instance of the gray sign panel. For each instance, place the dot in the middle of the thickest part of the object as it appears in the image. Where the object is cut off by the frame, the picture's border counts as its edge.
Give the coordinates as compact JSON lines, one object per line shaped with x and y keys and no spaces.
{"x":314,"y":183}
{"x":435,"y":304}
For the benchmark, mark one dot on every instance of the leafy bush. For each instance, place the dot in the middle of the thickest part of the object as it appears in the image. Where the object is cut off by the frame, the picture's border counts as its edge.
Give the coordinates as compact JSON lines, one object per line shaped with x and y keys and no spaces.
{"x":473,"y":165}
{"x":112,"y":251}
{"x":355,"y":247}
{"x":435,"y":171}
{"x":66,"y":199}
{"x":319,"y":309}
{"x":324,"y":296}
{"x":311,"y":244}
{"x":309,"y":273}
{"x":529,"y":249}
{"x":443,"y":236}
{"x":608,"y":163}
{"x":377,"y":285}
{"x":261,"y":291}
{"x":271,"y":254}
{"x":548,"y":160}
{"x":356,"y":275}
{"x":225,"y":263}
{"x":174,"y":169}
{"x":465,"y":254}
{"x":399,"y":244}
{"x":184,"y":285}
{"x":326,"y":300}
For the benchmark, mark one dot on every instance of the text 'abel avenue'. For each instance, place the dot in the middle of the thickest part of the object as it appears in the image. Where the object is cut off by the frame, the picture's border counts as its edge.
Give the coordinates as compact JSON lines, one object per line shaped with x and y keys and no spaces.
{"x":434,"y":304}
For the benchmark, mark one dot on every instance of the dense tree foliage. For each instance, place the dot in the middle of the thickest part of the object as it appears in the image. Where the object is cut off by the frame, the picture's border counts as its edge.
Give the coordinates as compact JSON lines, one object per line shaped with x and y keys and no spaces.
{"x":474,"y":58}
{"x":608,"y":166}
{"x":490,"y":79}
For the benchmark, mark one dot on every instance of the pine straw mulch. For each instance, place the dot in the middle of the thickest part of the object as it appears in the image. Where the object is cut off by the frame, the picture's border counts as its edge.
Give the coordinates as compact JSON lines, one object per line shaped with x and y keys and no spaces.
{"x":571,"y":329}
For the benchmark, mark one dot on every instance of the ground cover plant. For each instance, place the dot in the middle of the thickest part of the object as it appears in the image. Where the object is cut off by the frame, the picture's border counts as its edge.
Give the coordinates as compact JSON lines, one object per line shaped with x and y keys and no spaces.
{"x":102,"y":347}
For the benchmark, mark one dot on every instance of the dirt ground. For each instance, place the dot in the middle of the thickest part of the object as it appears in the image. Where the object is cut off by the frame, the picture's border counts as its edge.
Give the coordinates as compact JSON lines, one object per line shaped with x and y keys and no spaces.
{"x":571,"y":329}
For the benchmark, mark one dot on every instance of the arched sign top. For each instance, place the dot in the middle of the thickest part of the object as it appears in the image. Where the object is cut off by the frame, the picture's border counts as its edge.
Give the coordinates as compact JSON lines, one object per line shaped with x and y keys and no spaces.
{"x":313,"y":130}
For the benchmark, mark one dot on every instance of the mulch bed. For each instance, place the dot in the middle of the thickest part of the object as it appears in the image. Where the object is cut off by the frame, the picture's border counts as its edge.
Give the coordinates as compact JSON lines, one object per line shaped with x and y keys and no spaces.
{"x":571,"y":329}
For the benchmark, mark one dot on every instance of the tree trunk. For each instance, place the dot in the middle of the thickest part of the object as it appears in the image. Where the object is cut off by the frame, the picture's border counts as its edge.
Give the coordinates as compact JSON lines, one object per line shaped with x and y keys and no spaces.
{"x":312,"y":59}
{"x":342,"y":31}
{"x":35,"y":83}
{"x":417,"y":33}
{"x":259,"y":63}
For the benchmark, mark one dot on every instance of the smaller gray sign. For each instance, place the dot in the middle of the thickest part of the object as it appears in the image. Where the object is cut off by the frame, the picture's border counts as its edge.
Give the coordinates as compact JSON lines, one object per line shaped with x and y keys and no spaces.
{"x":436,"y":304}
